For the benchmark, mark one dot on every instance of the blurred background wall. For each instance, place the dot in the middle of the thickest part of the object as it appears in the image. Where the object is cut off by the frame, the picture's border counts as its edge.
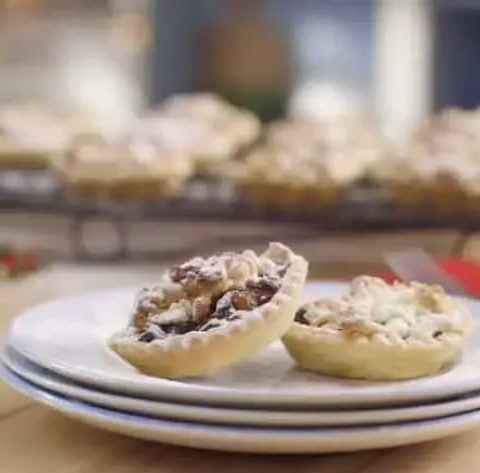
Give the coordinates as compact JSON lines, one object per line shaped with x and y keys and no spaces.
{"x":118,"y":55}
{"x":326,"y":41}
{"x":78,"y":52}
{"x":457,"y":68}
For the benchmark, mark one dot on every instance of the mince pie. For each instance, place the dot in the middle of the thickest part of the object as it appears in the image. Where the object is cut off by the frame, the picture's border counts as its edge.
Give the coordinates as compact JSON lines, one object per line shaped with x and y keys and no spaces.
{"x":379,"y":331}
{"x":306,"y":161}
{"x":131,"y":166}
{"x":208,"y":313}
{"x":32,"y":135}
{"x":205,"y":127}
{"x":440,"y":167}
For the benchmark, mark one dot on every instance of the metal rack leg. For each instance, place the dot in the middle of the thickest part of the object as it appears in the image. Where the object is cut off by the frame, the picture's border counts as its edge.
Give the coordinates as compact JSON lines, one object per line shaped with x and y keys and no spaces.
{"x":75,"y":238}
{"x":461,"y":243}
{"x":120,"y":224}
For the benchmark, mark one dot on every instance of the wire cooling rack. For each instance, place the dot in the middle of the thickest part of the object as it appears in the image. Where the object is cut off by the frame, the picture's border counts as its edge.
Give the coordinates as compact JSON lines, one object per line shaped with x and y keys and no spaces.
{"x":362,"y":209}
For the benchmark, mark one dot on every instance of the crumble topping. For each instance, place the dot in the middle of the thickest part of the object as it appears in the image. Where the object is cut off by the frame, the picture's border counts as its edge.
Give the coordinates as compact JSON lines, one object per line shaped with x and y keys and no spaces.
{"x":445,"y":150}
{"x":373,"y":309}
{"x":33,"y":127}
{"x":132,"y":154}
{"x":202,"y":125}
{"x":306,"y":152}
{"x":205,"y":293}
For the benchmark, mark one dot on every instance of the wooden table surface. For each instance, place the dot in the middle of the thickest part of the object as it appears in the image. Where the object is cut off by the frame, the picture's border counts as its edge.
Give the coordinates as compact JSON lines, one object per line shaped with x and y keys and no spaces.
{"x":34,"y":439}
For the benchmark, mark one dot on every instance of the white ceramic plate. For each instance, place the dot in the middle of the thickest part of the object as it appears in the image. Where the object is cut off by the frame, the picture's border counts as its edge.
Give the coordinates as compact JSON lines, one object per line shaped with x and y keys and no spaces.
{"x":249,"y":439}
{"x":68,"y":336}
{"x":349,"y":417}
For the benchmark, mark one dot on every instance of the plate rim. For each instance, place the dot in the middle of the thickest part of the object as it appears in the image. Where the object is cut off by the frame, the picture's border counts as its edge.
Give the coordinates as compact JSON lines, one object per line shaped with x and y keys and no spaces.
{"x":235,"y":415}
{"x":155,"y":388}
{"x":240,"y":438}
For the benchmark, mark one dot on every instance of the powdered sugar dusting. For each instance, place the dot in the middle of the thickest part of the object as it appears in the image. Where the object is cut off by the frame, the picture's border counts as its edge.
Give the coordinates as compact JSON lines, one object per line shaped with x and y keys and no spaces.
{"x":206,"y":293}
{"x":375,"y":309}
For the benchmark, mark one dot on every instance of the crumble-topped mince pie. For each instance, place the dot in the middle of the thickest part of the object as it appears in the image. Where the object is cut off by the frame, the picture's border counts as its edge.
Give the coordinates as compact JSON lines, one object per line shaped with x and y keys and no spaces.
{"x":305,"y":162}
{"x":379,"y":331}
{"x":33,"y":134}
{"x":211,"y":312}
{"x":204,"y":126}
{"x":132,"y":166}
{"x":440,"y":166}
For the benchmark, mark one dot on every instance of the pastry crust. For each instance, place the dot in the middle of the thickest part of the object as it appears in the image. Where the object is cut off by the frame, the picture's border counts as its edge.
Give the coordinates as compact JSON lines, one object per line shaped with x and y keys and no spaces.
{"x":25,"y":160}
{"x":198,"y":353}
{"x":349,"y":338}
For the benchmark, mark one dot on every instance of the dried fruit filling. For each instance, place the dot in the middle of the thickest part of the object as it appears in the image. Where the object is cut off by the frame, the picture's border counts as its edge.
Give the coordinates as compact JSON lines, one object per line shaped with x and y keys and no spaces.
{"x":204,"y":294}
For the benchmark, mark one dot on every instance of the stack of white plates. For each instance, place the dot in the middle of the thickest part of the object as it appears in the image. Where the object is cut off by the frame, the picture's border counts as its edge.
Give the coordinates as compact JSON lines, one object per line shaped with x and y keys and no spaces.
{"x":56,"y":353}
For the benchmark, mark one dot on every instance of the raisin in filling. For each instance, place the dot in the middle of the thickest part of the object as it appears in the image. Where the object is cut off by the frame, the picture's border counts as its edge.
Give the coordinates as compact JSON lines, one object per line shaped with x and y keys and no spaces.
{"x":207,"y":312}
{"x":300,"y":317}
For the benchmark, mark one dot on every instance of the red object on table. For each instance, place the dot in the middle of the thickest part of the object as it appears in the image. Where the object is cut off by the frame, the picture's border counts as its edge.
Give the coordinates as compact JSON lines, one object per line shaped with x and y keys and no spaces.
{"x":9,"y":260}
{"x":465,"y":272}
